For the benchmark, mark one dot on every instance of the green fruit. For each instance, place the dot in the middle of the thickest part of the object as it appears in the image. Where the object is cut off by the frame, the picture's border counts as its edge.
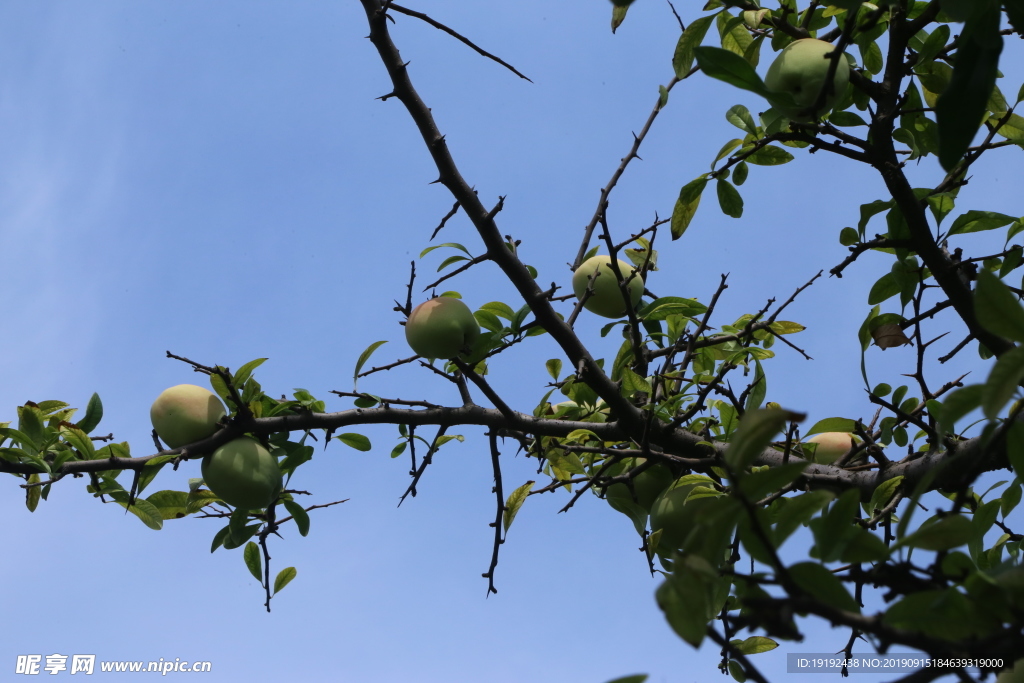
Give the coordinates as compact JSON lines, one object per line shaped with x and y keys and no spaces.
{"x":831,"y":446}
{"x":441,"y":328}
{"x":800,"y":70}
{"x":647,"y":485}
{"x":607,"y":298}
{"x":676,"y":517}
{"x":185,"y":414}
{"x":243,"y":473}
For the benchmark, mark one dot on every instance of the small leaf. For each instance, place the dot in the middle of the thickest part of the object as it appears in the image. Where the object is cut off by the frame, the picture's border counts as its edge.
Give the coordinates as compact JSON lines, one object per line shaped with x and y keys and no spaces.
{"x":637,"y":678}
{"x":356,"y":441}
{"x":253,"y":561}
{"x":93,"y":414}
{"x":740,"y":117}
{"x":823,"y":585}
{"x":1002,"y":382}
{"x":978,"y":221}
{"x":300,"y":515}
{"x":730,"y":67}
{"x":833,"y":424}
{"x":755,"y":432}
{"x":514,"y":502}
{"x":997,"y":308}
{"x":947,"y":533}
{"x":961,"y":107}
{"x":554,"y":367}
{"x":32,"y":493}
{"x":363,"y":357}
{"x":682,"y":60}
{"x":755,"y":645}
{"x":245,"y":372}
{"x":769,"y":155}
{"x":686,"y":206}
{"x":729,"y":199}
{"x":284,"y":577}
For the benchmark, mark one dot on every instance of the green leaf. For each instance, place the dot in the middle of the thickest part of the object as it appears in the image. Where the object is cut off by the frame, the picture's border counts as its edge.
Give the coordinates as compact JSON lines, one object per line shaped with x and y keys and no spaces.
{"x":93,"y":414}
{"x":146,"y":511}
{"x":962,"y":106}
{"x":823,"y":585}
{"x":232,"y":541}
{"x":686,"y":206}
{"x":833,"y":424}
{"x":834,"y":529}
{"x":797,"y":511}
{"x":846,"y":119}
{"x":883,"y":494}
{"x":363,"y":357}
{"x":726,"y":150}
{"x":554,"y":367}
{"x":729,"y":67}
{"x":947,"y":533}
{"x":868,"y":210}
{"x":754,"y":645}
{"x":755,"y":432}
{"x":32,"y":493}
{"x":740,"y":117}
{"x":739,"y":174}
{"x":171,"y":504}
{"x":245,"y":372}
{"x":253,"y":561}
{"x":1002,"y":382}
{"x":769,"y":155}
{"x":729,"y":199}
{"x":682,"y":60}
{"x":356,"y":441}
{"x":737,"y":672}
{"x":978,"y":221}
{"x":514,"y":502}
{"x":997,"y":308}
{"x":300,"y":515}
{"x":455,"y":245}
{"x":78,"y":440}
{"x":759,"y":388}
{"x":1015,"y":448}
{"x":957,"y":404}
{"x":284,"y":577}
{"x":756,"y":485}
{"x":637,"y":678}
{"x":885,"y":287}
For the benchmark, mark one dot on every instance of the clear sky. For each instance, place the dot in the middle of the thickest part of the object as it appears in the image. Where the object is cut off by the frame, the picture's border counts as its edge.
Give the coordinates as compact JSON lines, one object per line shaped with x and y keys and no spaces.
{"x":218,"y":180}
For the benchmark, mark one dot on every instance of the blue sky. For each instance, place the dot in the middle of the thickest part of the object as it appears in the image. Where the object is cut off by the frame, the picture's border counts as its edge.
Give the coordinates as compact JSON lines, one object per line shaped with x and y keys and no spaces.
{"x":218,"y":180}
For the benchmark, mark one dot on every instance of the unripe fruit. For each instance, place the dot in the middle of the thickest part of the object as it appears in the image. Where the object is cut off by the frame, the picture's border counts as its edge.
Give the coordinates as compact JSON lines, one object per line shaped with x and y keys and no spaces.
{"x":800,"y":70}
{"x":243,"y":473}
{"x":647,"y":485}
{"x":675,"y":517}
{"x":607,"y":298}
{"x":185,"y":414}
{"x":831,"y":446}
{"x":441,"y":328}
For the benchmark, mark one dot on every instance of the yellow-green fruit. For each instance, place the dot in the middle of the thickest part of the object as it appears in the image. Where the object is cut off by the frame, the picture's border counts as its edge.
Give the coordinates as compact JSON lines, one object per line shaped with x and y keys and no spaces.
{"x":243,"y":473}
{"x":185,"y":414}
{"x":675,"y":517}
{"x":441,"y":328}
{"x":647,"y":485}
{"x":831,"y":446}
{"x":800,"y":70}
{"x":607,"y":298}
